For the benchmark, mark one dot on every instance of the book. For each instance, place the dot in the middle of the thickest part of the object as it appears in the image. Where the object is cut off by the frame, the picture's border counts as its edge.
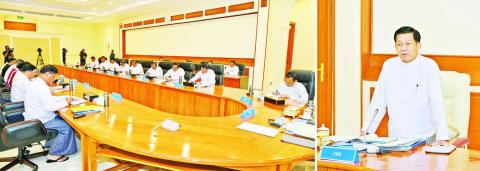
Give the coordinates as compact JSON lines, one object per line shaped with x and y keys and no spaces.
{"x":86,"y":109}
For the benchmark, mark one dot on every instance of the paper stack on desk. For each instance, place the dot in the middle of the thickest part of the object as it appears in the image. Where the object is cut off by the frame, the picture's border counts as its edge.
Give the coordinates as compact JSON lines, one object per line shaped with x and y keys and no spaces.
{"x":258,"y":129}
{"x":402,"y":144}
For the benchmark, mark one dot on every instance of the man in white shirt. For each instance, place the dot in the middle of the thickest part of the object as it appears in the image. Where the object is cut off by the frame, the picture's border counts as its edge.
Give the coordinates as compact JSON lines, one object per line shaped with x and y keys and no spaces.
{"x":206,"y":76}
{"x":104,"y":64}
{"x":124,"y":68}
{"x":154,"y":70}
{"x":232,"y":69}
{"x":409,"y":87}
{"x":113,"y":65}
{"x":175,"y":73}
{"x":136,"y":68}
{"x":41,"y":104}
{"x":20,"y":82}
{"x":294,"y":92}
{"x":93,"y":63}
{"x":11,"y":72}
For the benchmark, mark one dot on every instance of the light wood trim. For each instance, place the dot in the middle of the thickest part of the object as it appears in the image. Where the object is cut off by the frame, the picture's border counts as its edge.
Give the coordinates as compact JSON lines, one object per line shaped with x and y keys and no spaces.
{"x":291,"y":40}
{"x":224,"y":60}
{"x":194,"y":14}
{"x":177,"y":17}
{"x":215,"y":11}
{"x":326,"y":55}
{"x":138,"y":23}
{"x":147,"y":22}
{"x":160,"y":20}
{"x":241,"y":7}
{"x":11,"y":25}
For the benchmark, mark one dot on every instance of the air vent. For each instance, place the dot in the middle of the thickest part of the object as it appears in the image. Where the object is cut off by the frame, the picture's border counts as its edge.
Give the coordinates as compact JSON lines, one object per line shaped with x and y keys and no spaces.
{"x":69,"y":16}
{"x":10,"y":10}
{"x":39,"y":13}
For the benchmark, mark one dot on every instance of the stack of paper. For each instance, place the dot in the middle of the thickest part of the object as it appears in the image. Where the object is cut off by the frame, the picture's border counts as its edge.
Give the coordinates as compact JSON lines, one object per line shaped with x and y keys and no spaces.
{"x":86,"y":109}
{"x":258,"y":129}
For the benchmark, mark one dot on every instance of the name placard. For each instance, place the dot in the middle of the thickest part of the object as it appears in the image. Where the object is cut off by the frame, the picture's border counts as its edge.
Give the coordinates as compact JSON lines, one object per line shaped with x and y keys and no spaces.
{"x":341,"y":154}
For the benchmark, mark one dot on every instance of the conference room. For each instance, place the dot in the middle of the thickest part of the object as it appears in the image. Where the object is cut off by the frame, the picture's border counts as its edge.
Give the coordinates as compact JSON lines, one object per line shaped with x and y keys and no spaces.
{"x":158,"y":85}
{"x":401,"y":85}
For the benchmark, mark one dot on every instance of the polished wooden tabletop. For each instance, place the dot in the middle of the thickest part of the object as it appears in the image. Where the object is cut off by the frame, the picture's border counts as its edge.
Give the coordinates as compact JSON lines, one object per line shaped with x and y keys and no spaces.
{"x":417,"y":159}
{"x":215,"y":141}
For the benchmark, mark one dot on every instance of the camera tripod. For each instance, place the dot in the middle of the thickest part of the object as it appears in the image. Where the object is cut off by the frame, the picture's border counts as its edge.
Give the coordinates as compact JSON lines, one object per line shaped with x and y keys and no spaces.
{"x":39,"y":60}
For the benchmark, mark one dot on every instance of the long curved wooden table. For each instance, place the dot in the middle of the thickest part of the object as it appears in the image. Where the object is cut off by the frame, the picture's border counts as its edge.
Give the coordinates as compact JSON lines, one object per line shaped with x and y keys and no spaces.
{"x":207,"y":140}
{"x":416,"y":159}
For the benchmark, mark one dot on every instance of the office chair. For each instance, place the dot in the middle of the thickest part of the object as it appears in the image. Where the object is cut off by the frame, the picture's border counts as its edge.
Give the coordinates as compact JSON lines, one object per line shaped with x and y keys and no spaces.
{"x":307,"y":78}
{"x":146,"y":65}
{"x":165,"y":65}
{"x":456,"y":95}
{"x":241,"y":69}
{"x":218,"y":69}
{"x":189,"y":68}
{"x":22,"y":135}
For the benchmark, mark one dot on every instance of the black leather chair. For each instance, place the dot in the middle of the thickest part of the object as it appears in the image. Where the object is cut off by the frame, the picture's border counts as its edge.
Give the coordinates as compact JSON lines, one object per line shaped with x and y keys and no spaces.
{"x":21,"y":135}
{"x":165,"y":65}
{"x":241,"y":69}
{"x":218,"y":69}
{"x":307,"y":78}
{"x":189,"y":69}
{"x":146,"y":65}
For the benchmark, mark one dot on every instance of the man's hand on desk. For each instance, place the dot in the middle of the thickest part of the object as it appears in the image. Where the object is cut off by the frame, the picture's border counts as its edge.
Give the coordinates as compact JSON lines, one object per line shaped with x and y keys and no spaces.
{"x":63,"y":111}
{"x":363,"y":133}
{"x":69,"y":100}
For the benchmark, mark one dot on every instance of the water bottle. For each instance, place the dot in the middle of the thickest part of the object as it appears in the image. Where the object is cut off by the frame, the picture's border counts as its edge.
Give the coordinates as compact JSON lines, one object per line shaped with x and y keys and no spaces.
{"x":70,"y":88}
{"x":106,"y":99}
{"x":180,"y":79}
{"x":250,"y":91}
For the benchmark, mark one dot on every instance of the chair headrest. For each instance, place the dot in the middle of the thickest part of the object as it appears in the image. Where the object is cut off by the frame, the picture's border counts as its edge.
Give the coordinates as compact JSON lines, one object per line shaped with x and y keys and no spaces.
{"x":303,"y":75}
{"x":187,"y":66}
{"x":165,"y":64}
{"x":217,"y":68}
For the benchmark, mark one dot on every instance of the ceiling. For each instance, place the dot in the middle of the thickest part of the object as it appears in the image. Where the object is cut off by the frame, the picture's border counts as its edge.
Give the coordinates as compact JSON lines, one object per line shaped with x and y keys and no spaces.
{"x":99,"y":10}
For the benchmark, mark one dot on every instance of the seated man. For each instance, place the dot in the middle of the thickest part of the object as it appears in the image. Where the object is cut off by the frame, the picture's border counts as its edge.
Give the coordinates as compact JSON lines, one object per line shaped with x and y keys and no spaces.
{"x":20,"y":82}
{"x":10,"y":62}
{"x":154,"y":70}
{"x":11,"y":72}
{"x":175,"y":73}
{"x":232,"y":69}
{"x":136,"y":68}
{"x":41,"y":104}
{"x":124,"y":68}
{"x":294,"y":92}
{"x":206,"y":76}
{"x":104,"y":65}
{"x":113,"y":65}
{"x":93,"y":63}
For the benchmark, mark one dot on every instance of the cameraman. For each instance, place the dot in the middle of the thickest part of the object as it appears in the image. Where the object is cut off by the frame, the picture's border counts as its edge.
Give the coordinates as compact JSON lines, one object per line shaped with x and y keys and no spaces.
{"x":8,"y":53}
{"x":64,"y":56}
{"x":83,"y":57}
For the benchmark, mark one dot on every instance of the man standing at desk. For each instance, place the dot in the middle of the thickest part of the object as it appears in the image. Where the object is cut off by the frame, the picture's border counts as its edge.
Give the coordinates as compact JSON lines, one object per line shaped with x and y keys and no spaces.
{"x":41,"y":104}
{"x":83,"y":57}
{"x":206,"y":75}
{"x":175,"y":73}
{"x":409,"y":87}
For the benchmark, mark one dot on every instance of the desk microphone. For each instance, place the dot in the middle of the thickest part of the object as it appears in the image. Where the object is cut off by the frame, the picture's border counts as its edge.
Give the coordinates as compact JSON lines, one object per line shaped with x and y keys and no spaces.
{"x":371,"y":120}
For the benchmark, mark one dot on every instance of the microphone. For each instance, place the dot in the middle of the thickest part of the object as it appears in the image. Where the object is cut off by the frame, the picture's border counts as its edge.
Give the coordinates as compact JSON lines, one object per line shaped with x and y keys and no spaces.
{"x":371,"y":120}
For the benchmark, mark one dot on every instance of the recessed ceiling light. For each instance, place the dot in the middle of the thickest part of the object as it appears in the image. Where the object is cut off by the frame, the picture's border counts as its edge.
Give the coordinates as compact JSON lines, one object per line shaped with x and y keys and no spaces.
{"x":95,"y":8}
{"x":110,"y":3}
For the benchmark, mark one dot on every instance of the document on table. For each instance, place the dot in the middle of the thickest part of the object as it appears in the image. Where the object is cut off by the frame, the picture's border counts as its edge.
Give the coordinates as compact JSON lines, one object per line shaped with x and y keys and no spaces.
{"x":258,"y":129}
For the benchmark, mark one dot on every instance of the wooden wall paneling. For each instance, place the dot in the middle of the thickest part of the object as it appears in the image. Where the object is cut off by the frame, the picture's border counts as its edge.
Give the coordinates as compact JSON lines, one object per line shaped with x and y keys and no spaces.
{"x":240,"y":7}
{"x":177,"y":17}
{"x":127,"y":25}
{"x":215,"y":11}
{"x":11,"y":25}
{"x":194,"y":14}
{"x":473,"y":128}
{"x":136,"y":24}
{"x":223,"y":60}
{"x":147,"y":22}
{"x":160,"y":20}
{"x":264,"y":3}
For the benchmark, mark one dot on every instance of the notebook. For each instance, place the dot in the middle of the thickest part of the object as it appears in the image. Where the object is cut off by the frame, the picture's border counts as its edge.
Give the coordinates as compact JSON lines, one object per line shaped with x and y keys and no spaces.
{"x":86,"y":109}
{"x":258,"y":129}
{"x":447,"y":149}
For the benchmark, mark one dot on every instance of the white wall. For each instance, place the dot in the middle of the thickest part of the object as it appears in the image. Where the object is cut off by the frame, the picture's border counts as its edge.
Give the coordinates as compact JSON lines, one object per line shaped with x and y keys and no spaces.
{"x":304,"y":15}
{"x":447,"y":27}
{"x":347,"y":67}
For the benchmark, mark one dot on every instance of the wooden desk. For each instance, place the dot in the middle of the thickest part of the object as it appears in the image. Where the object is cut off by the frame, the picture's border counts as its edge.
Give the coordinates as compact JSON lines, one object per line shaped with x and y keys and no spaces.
{"x":201,"y":142}
{"x":417,"y":159}
{"x":236,"y":82}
